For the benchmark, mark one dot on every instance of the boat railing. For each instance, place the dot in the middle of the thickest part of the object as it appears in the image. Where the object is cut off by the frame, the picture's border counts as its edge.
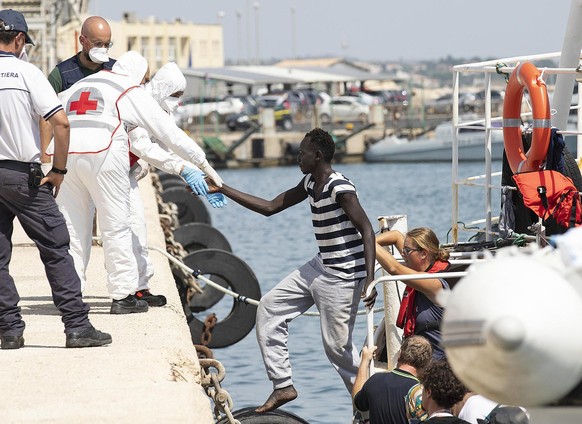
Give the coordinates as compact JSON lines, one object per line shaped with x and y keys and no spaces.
{"x":503,"y":66}
{"x":456,"y":258}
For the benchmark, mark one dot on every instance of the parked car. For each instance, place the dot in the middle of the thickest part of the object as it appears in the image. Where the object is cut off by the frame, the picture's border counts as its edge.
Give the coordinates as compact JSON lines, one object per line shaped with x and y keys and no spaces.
{"x":396,"y":97}
{"x":212,"y":110}
{"x":366,"y":98}
{"x":251,"y":114}
{"x":441,"y":105}
{"x":390,"y":98}
{"x":309,"y":93}
{"x":322,"y":97}
{"x":468,"y":102}
{"x":497,"y":97}
{"x":344,"y":109}
{"x":295,"y":101}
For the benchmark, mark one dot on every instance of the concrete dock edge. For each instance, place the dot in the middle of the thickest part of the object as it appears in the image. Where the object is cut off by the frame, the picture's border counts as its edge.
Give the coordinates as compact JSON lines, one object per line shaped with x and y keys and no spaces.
{"x":149,"y":374}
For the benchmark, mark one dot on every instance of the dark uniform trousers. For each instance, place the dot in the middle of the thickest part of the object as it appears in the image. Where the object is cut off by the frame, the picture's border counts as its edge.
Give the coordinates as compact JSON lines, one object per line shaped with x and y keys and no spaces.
{"x":44,"y":224}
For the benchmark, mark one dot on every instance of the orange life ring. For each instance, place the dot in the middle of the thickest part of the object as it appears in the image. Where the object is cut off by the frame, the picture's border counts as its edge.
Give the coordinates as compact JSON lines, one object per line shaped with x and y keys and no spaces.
{"x":526,"y":75}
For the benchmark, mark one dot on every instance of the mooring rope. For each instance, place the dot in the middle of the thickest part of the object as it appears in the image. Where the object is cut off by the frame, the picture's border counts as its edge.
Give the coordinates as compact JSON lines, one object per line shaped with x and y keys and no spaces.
{"x":237,"y":297}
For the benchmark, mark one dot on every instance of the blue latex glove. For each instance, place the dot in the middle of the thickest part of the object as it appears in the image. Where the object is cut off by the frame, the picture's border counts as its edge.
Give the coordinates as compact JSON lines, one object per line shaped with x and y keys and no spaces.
{"x":195,"y":179}
{"x":217,"y":200}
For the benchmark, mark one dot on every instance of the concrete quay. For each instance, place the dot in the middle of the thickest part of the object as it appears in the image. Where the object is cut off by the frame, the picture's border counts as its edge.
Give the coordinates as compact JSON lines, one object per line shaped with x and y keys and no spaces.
{"x":149,"y":374}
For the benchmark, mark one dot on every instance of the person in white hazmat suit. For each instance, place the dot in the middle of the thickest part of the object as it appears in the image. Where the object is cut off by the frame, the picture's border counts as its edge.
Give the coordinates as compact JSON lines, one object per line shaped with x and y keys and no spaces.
{"x":166,"y":87}
{"x":101,"y":108}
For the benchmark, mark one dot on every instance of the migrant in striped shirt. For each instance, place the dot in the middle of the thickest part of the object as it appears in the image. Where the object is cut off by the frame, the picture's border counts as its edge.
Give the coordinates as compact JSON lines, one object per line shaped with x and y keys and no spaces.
{"x":340,"y":243}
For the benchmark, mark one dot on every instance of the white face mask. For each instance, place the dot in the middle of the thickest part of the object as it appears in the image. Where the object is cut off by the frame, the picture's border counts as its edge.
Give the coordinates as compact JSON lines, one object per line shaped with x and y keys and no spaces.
{"x":98,"y":55}
{"x":170,"y":104}
{"x":23,"y":55}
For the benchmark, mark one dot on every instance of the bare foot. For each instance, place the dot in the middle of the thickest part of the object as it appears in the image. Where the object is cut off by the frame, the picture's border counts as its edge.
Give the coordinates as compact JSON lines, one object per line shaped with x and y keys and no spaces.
{"x":278,"y":397}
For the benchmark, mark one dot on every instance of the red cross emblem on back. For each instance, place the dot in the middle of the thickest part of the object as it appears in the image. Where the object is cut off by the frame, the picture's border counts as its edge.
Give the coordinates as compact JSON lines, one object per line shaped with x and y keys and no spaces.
{"x":82,"y":105}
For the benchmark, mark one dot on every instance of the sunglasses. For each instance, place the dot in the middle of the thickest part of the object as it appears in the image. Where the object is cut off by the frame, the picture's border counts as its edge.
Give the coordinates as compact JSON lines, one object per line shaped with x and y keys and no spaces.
{"x":408,"y":250}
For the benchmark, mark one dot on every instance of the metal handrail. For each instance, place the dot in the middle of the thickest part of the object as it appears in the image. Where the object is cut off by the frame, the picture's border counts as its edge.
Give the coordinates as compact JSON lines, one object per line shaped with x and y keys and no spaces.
{"x":489,"y":68}
{"x":236,"y":296}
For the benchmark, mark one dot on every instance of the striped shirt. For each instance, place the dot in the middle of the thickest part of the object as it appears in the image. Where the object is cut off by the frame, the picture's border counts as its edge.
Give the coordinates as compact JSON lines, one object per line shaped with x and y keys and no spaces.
{"x":340,"y":244}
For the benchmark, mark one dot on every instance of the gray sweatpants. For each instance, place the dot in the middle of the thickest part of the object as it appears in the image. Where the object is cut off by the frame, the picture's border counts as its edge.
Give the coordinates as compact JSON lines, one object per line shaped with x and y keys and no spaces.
{"x":337,"y":301}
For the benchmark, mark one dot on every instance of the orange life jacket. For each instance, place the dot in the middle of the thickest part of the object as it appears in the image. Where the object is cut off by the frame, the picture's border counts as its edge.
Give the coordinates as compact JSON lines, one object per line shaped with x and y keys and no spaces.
{"x":551,"y":194}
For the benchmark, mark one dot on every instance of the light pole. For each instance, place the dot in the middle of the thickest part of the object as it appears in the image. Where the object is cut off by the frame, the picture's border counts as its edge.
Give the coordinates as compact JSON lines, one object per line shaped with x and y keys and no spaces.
{"x":248,"y":32}
{"x":238,"y":38}
{"x":344,"y":46}
{"x":293,"y":34}
{"x":256,"y":5}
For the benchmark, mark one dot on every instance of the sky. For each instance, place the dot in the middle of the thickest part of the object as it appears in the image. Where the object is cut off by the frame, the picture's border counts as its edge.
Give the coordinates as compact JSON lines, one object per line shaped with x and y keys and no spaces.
{"x":370,"y":30}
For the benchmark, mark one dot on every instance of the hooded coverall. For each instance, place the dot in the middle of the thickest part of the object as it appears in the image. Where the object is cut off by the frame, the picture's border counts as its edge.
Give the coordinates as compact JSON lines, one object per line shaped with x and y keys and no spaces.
{"x":101,"y":108}
{"x":167,"y":81}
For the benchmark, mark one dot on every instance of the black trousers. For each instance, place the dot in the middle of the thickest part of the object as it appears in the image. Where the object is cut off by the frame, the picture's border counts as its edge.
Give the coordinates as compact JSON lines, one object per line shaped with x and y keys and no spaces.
{"x":44,"y":224}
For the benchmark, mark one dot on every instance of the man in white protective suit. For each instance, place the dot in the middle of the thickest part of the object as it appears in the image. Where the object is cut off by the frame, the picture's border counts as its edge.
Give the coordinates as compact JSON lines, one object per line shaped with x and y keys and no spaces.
{"x":101,"y":109}
{"x":166,"y":87}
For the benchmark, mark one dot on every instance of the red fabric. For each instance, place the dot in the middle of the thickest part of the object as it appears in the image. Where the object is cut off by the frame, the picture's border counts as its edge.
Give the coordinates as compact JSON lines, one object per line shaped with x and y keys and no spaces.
{"x":132,"y":159}
{"x":407,"y":313}
{"x":562,"y":196}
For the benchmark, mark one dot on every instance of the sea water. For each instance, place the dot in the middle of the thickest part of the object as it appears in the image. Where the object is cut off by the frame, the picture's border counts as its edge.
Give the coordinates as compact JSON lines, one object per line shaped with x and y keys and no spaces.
{"x":275,"y":246}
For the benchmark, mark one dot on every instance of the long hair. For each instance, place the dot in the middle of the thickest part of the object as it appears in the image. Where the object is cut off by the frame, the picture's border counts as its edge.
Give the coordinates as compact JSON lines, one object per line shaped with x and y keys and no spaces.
{"x":426,"y":239}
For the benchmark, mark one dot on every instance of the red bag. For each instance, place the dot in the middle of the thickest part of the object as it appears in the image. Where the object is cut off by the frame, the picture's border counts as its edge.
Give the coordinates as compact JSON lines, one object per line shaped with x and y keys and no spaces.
{"x":551,"y":194}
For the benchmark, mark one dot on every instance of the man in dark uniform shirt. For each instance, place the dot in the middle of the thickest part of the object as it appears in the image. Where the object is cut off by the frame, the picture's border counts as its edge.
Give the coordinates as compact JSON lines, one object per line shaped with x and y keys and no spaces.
{"x":95,"y":41}
{"x":26,"y":195}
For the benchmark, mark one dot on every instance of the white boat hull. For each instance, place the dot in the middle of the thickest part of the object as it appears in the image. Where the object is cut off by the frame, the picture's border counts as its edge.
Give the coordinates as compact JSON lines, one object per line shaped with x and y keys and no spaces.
{"x":431,"y":150}
{"x":471,"y":149}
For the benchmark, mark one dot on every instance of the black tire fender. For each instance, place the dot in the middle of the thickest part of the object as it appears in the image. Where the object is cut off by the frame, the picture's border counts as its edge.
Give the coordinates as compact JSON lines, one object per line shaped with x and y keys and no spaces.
{"x":196,"y":236}
{"x":217,"y":264}
{"x":199,"y":235}
{"x":170,"y":180}
{"x":164,"y":176}
{"x":278,"y":416}
{"x":191,"y":208}
{"x":173,"y":182}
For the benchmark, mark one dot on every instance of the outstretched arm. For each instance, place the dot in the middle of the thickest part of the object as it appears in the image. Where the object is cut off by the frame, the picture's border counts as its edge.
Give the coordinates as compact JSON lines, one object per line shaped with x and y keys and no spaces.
{"x":265,"y":207}
{"x":143,"y":147}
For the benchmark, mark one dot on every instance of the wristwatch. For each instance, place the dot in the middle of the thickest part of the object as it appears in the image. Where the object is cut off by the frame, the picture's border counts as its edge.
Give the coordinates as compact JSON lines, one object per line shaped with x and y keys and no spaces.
{"x":59,"y":171}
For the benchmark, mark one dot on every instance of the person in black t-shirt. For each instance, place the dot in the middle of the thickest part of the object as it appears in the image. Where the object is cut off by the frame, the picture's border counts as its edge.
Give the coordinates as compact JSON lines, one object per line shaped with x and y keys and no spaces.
{"x":383,"y":393}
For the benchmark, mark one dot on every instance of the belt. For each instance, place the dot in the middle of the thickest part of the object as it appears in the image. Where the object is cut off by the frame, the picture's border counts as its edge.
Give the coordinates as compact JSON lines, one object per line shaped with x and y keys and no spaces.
{"x":17,"y":165}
